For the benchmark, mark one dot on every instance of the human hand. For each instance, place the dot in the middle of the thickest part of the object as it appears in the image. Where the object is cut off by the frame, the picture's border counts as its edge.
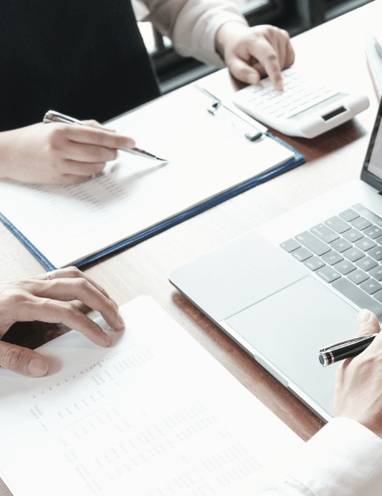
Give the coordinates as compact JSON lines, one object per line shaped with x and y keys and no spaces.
{"x":61,"y":296}
{"x":55,"y":153}
{"x":251,"y":53}
{"x":358,"y":387}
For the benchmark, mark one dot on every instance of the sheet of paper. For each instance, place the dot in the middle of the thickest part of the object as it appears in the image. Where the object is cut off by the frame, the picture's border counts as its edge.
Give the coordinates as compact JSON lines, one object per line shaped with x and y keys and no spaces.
{"x":206,"y":154}
{"x":154,"y":415}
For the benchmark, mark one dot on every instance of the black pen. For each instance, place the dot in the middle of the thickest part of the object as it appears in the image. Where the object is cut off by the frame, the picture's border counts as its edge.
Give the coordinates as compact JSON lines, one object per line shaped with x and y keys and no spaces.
{"x":344,"y":349}
{"x":52,"y":116}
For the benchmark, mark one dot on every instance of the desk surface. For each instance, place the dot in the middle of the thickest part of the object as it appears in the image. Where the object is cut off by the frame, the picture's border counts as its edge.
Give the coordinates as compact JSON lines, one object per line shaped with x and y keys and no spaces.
{"x":335,"y":48}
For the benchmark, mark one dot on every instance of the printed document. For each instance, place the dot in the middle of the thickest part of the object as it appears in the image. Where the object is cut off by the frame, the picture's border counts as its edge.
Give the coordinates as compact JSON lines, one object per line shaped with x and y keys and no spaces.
{"x":207,"y":156}
{"x":153,"y":415}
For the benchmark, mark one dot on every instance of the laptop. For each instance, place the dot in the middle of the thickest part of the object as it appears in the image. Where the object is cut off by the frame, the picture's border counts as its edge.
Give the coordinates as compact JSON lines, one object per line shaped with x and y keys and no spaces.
{"x":296,"y":284}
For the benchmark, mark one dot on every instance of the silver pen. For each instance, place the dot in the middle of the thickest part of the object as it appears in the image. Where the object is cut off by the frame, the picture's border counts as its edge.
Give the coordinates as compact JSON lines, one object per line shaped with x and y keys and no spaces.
{"x":52,"y":116}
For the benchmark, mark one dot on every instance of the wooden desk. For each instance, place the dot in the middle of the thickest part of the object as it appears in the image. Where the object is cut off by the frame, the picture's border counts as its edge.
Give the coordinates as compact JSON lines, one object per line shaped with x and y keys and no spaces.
{"x":335,"y":49}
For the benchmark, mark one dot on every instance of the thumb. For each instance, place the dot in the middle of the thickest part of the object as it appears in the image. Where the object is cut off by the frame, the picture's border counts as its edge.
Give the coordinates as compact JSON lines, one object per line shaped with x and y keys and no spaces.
{"x":22,"y":360}
{"x":243,"y":71}
{"x":367,"y":323}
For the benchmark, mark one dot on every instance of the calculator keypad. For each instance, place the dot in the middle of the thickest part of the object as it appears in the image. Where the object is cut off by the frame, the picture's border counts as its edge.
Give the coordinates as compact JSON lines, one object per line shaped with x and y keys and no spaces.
{"x":299,"y":94}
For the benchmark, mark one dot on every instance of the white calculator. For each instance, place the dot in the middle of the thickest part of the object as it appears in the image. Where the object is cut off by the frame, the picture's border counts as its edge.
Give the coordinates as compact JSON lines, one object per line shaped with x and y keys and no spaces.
{"x":305,"y":108}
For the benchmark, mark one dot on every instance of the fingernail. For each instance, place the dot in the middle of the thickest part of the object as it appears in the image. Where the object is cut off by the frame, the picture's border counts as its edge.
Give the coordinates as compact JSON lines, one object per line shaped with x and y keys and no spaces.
{"x":253,"y":79}
{"x":37,"y":367}
{"x":106,"y":340}
{"x":120,"y":321}
{"x":364,"y":316}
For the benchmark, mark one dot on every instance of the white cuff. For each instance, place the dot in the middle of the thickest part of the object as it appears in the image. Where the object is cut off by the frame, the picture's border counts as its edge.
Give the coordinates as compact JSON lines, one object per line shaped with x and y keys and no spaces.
{"x":344,"y":458}
{"x":196,"y":27}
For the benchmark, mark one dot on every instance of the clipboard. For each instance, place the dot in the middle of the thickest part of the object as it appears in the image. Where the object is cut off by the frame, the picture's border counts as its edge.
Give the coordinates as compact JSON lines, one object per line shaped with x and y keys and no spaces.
{"x":210,"y":162}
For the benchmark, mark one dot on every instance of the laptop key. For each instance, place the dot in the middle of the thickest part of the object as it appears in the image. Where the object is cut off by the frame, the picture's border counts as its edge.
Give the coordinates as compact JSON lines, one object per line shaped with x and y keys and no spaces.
{"x":371,"y":286}
{"x":332,"y":257}
{"x":313,"y":244}
{"x":289,"y":245}
{"x":314,"y":263}
{"x":361,"y":223}
{"x":325,"y":233}
{"x":349,"y":215}
{"x":369,"y":215}
{"x":353,"y":254}
{"x":376,"y":273}
{"x":357,"y":296}
{"x":366,"y":263}
{"x":378,"y":296}
{"x":376,"y":253}
{"x":338,"y":225}
{"x":353,"y":235}
{"x":373,"y":232}
{"x":345,"y":267}
{"x":341,"y":245}
{"x":328,"y":274}
{"x":301,"y":254}
{"x":358,"y":277}
{"x":365,"y":244}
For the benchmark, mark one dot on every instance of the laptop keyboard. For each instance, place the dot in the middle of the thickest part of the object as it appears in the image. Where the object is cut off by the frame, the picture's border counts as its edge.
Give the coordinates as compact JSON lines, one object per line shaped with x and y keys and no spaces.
{"x":346,"y":252}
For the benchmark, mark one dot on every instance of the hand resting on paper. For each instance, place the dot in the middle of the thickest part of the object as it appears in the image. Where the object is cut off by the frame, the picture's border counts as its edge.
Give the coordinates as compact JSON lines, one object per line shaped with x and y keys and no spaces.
{"x":61,"y":296}
{"x":55,"y":153}
{"x":358,"y":391}
{"x":252,"y":53}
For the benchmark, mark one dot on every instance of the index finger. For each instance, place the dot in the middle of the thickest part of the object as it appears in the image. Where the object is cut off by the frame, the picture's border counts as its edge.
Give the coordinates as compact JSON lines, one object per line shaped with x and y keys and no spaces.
{"x":100,"y":137}
{"x":73,"y":273}
{"x":82,"y":290}
{"x":263,"y":51}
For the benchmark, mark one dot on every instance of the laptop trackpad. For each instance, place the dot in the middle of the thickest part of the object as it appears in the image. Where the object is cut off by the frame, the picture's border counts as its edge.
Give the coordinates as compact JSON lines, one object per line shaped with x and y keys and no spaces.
{"x":289,"y":327}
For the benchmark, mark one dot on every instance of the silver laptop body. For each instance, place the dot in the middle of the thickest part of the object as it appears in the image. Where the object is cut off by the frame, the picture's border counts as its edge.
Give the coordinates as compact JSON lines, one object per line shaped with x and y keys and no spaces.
{"x":296,"y":284}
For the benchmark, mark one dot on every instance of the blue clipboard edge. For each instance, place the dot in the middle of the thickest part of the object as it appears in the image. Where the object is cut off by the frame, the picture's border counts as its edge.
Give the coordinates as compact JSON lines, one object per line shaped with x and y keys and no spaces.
{"x":297,"y":160}
{"x":28,"y":245}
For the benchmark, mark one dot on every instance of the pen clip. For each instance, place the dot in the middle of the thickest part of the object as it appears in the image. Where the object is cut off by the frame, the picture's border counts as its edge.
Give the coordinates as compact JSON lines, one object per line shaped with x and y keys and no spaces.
{"x":53,"y":116}
{"x":250,"y":132}
{"x":346,"y":342}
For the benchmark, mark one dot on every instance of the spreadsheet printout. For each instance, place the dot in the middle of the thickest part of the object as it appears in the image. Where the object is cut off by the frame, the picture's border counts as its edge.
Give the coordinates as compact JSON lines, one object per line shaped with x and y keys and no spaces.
{"x":153,"y":415}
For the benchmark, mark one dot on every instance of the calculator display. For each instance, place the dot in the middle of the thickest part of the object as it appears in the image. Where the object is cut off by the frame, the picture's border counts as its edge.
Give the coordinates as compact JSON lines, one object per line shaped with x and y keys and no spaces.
{"x":321,"y":105}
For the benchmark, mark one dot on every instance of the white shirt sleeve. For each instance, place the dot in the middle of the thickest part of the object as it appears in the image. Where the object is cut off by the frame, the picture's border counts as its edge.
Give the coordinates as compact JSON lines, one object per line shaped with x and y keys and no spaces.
{"x":192,"y":24}
{"x":343,"y":459}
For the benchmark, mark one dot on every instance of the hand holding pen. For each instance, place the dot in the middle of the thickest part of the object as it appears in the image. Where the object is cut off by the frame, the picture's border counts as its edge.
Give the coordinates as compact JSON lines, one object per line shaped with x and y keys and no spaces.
{"x":58,"y":153}
{"x":349,"y":348}
{"x":52,"y":116}
{"x":358,"y":388}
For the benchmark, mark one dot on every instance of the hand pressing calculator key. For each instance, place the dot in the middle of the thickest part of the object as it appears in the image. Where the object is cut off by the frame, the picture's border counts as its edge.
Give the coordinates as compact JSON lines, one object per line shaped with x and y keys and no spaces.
{"x":305,"y":108}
